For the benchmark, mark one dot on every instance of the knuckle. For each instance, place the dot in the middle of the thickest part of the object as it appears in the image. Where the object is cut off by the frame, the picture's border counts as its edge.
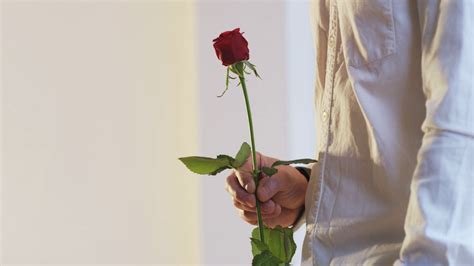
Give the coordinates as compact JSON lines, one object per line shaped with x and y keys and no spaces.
{"x":248,"y":217}
{"x":228,"y":183}
{"x":237,"y":204}
{"x":240,"y":196}
{"x":244,"y":216}
{"x":274,"y":183}
{"x":230,"y":191}
{"x":268,"y":207}
{"x":229,"y":179}
{"x":263,"y":193}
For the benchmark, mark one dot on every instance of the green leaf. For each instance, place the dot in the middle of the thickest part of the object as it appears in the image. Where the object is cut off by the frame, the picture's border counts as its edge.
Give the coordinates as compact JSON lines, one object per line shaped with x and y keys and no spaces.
{"x":269,"y":171}
{"x":299,"y":161}
{"x":242,"y":155}
{"x":219,"y":170}
{"x":279,"y":241}
{"x":254,"y":69}
{"x":227,"y":158}
{"x":265,"y":259}
{"x":207,"y":166}
{"x":257,"y":246}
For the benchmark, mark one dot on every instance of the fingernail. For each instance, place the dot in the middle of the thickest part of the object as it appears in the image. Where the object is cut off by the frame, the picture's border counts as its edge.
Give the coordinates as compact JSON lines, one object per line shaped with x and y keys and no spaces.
{"x":250,"y":188}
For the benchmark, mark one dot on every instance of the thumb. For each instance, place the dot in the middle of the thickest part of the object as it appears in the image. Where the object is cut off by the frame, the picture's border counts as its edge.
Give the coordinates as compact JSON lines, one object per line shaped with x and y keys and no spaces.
{"x":269,"y":186}
{"x":244,"y":174}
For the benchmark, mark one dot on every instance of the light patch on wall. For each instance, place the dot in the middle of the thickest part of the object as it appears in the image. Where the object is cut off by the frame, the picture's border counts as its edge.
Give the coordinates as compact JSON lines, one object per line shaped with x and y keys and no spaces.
{"x":98,"y":101}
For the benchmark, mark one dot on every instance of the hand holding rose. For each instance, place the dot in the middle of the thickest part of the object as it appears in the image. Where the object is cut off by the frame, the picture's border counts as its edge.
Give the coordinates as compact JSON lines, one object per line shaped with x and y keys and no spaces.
{"x":282,"y":195}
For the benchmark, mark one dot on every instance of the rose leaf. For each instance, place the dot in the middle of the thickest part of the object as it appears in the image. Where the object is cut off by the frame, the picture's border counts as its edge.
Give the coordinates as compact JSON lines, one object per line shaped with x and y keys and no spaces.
{"x":299,"y":161}
{"x":265,"y":259}
{"x":257,"y":246}
{"x":242,"y":155}
{"x":279,"y":241}
{"x":269,"y":171}
{"x":207,"y":166}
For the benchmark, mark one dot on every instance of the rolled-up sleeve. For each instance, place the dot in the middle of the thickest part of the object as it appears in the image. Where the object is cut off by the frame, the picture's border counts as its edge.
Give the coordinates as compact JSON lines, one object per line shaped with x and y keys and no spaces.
{"x":439,"y":224}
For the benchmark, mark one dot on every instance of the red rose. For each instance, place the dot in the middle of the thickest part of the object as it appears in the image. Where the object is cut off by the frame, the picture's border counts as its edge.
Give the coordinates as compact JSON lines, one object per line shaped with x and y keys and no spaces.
{"x":231,"y":47}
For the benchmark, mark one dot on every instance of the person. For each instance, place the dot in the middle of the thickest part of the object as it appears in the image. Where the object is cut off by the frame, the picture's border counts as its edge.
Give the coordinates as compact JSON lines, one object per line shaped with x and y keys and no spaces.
{"x":394,"y":182}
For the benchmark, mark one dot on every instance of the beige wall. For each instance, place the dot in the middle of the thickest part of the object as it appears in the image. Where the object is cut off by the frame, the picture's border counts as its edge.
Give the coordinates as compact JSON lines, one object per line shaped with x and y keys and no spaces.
{"x":98,"y":99}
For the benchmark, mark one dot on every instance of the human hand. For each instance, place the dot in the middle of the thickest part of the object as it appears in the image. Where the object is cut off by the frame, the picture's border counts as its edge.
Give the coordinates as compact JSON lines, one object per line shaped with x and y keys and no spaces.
{"x":282,"y":195}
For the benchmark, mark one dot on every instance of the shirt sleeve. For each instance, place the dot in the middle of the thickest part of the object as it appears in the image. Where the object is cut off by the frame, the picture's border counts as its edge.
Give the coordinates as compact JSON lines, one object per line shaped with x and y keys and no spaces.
{"x":439,"y":224}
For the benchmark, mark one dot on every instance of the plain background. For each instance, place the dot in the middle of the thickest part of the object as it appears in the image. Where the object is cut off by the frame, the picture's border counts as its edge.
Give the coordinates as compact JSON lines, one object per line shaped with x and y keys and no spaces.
{"x":99,"y":98}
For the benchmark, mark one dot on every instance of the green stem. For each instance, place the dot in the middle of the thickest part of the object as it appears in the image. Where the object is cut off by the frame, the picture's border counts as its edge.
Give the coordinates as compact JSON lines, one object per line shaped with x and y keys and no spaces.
{"x":255,"y":171}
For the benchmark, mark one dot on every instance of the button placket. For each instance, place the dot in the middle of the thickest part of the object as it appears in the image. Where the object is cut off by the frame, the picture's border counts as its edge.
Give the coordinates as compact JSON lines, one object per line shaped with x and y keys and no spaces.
{"x":330,"y":72}
{"x":327,"y":101}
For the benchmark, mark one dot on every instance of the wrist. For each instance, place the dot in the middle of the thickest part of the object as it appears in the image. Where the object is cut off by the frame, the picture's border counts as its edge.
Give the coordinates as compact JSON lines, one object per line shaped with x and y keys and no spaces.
{"x":297,"y":186}
{"x":300,"y":217}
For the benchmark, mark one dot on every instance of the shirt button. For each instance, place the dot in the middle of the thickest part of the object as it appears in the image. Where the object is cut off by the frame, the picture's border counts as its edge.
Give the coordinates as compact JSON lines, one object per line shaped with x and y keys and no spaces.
{"x":325,"y":116}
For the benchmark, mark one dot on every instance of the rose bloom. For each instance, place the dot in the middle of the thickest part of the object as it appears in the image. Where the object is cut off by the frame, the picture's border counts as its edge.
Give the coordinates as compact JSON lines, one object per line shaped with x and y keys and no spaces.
{"x":231,"y":47}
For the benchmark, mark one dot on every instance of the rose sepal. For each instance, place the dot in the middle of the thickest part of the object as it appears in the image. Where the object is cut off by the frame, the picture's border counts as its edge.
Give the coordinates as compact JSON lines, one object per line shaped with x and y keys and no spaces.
{"x":239,"y":69}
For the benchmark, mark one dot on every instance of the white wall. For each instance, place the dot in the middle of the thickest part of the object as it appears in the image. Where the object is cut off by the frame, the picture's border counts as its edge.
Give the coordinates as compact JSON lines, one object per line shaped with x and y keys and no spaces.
{"x":224,"y":236}
{"x":98,"y":101}
{"x":280,"y":43}
{"x":99,"y":98}
{"x":301,"y":71}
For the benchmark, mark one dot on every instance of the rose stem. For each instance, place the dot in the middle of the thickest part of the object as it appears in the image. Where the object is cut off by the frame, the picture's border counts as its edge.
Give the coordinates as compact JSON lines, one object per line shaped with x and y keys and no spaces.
{"x":254,"y":157}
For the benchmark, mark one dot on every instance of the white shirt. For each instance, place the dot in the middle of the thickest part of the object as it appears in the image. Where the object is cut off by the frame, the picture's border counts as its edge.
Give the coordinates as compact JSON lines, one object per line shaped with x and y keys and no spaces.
{"x":395,"y":101}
